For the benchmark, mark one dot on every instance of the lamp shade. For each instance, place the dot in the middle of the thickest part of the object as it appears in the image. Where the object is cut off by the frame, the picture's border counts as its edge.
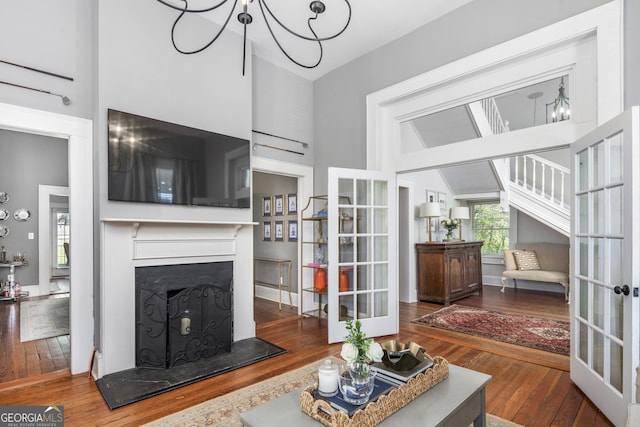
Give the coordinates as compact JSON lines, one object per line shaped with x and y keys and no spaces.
{"x":430,"y":210}
{"x":460,"y":212}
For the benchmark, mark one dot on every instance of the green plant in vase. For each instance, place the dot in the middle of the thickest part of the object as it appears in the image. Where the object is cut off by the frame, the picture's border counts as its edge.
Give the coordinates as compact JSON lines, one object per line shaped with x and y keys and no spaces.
{"x":359,"y":351}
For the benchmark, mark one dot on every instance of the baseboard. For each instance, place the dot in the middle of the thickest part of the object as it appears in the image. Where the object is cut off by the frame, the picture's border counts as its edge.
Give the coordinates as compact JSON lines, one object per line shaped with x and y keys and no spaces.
{"x":524,"y":284}
{"x":97,"y":368}
{"x":271,"y":294}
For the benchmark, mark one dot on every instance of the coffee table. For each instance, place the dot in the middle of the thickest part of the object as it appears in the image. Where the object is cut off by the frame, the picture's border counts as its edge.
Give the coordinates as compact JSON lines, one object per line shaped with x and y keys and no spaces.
{"x":459,"y":400}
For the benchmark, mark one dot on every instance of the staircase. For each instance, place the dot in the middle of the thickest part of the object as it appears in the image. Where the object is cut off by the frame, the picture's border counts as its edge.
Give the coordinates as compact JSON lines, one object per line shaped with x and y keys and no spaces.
{"x":531,"y":184}
{"x":540,"y":188}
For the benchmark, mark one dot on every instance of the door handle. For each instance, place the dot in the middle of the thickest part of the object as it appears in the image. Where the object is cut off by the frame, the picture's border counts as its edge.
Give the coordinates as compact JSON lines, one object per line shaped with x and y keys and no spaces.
{"x":622,"y":290}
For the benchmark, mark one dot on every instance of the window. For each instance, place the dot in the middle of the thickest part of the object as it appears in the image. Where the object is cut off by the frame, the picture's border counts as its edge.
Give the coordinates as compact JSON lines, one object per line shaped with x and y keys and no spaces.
{"x":490,"y":225}
{"x":60,"y":240}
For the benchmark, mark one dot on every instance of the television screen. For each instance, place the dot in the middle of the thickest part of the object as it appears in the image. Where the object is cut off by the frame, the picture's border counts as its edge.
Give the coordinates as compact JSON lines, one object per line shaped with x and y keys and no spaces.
{"x":152,"y":161}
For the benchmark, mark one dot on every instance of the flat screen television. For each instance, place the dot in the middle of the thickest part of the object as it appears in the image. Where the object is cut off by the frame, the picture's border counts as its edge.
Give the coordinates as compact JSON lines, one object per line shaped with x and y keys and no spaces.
{"x":151,"y":161}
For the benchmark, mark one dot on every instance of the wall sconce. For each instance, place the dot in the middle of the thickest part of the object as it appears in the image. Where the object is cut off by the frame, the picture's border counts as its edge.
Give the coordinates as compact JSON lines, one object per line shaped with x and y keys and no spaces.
{"x":429,"y":210}
{"x":460,"y":213}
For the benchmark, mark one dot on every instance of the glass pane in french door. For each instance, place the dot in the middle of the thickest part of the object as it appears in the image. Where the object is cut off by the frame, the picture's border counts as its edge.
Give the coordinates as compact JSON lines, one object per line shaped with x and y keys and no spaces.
{"x":362,"y":252}
{"x":599,"y":202}
{"x":363,"y":204}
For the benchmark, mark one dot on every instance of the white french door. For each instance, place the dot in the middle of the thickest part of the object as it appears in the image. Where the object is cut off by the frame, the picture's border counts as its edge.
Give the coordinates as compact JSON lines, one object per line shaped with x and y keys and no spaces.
{"x":362,"y":282}
{"x":605,"y":249}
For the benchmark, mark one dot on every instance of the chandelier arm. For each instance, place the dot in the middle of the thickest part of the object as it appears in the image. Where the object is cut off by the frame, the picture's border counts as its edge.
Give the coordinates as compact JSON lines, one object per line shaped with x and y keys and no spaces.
{"x":191,"y":52}
{"x":187,"y":10}
{"x":284,"y":52}
{"x":302,"y":36}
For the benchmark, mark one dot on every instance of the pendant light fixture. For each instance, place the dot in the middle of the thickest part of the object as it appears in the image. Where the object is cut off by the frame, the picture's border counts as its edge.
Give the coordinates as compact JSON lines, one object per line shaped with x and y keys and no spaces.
{"x":561,"y":110}
{"x":271,"y":21}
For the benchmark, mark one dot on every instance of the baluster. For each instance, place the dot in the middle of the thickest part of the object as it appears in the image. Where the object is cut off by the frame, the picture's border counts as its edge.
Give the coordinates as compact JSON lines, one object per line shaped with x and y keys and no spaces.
{"x":553,"y":185}
{"x":543,"y":189}
{"x":562,"y":189}
{"x":524,"y":171}
{"x":534,"y":168}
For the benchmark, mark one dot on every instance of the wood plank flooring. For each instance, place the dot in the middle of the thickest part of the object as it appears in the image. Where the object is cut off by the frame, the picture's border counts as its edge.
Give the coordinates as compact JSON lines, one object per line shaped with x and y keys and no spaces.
{"x":20,"y":360}
{"x":529,"y":387}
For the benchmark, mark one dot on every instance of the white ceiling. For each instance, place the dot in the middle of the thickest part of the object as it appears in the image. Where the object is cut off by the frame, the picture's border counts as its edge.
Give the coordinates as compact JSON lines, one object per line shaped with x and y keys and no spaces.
{"x":374,"y":23}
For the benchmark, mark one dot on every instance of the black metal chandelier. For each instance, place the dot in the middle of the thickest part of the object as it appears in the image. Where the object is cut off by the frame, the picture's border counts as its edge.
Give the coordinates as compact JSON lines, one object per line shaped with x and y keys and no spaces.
{"x":245,"y":18}
{"x":561,"y":110}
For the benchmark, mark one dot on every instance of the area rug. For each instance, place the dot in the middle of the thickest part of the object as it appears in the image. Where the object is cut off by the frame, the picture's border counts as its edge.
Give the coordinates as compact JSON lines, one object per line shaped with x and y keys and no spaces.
{"x":224,"y":411}
{"x":527,"y":331}
{"x":44,"y":318}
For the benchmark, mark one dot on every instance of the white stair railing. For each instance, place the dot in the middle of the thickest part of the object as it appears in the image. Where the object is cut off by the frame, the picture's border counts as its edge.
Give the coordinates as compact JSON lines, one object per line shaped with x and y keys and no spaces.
{"x":541,"y":177}
{"x":493,"y":116}
{"x":530,"y":183}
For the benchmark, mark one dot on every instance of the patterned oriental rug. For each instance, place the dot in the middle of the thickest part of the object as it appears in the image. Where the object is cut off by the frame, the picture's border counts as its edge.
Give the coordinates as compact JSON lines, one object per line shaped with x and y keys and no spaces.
{"x":527,"y":331}
{"x":224,"y":411}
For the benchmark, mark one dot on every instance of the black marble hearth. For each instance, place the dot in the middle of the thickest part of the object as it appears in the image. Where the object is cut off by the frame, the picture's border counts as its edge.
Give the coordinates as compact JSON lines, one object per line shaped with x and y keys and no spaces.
{"x":132,"y":385}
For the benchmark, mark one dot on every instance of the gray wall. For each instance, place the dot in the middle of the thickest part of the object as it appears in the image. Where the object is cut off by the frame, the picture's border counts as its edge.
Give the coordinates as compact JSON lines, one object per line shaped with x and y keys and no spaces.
{"x":55,"y":36}
{"x":531,"y":231}
{"x":283,"y":106}
{"x":631,"y":53}
{"x":28,"y":161}
{"x":339,"y":109}
{"x":141,"y":73}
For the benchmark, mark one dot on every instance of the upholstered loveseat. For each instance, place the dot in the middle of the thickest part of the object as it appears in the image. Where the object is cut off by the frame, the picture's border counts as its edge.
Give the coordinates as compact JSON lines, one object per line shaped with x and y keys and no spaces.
{"x":552,"y":264}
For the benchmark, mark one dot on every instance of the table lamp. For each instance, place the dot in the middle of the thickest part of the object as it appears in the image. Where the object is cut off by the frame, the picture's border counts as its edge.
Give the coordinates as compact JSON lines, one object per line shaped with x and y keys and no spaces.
{"x":460,"y":213}
{"x":429,"y":210}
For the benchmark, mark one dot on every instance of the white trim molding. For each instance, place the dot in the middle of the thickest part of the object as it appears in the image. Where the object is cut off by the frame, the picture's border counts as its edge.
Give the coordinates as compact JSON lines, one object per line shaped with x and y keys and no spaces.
{"x":304,"y":174}
{"x":587,"y":46}
{"x":79,"y":133}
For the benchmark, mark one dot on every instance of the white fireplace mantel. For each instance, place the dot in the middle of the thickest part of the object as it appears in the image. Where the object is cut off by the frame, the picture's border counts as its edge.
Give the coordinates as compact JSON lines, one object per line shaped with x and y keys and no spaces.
{"x":128,"y":243}
{"x":135,"y":223}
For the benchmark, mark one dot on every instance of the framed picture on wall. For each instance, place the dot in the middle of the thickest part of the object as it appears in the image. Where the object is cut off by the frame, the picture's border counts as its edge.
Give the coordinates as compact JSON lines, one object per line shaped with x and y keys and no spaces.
{"x":292,"y":204}
{"x":442,"y":199}
{"x":278,"y":204}
{"x":266,"y":206}
{"x":292,"y":230}
{"x":431,"y":196}
{"x":266,"y":231}
{"x":279,"y":231}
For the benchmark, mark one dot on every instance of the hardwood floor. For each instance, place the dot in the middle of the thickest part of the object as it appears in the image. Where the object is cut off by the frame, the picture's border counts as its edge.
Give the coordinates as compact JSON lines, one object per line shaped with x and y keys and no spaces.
{"x":20,"y":360}
{"x":529,"y":387}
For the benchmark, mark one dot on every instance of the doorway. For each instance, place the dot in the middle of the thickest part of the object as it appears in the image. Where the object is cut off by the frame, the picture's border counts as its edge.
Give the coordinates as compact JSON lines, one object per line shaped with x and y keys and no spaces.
{"x":303,"y":178}
{"x":78,"y":133}
{"x":275,"y":246}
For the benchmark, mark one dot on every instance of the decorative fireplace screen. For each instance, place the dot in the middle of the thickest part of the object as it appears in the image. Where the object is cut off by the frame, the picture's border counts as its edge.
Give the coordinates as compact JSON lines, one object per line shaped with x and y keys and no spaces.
{"x":183,"y":313}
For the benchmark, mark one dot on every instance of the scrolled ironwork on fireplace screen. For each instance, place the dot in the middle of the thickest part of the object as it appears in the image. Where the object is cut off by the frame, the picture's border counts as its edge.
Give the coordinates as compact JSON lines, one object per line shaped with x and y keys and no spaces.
{"x":184,"y":313}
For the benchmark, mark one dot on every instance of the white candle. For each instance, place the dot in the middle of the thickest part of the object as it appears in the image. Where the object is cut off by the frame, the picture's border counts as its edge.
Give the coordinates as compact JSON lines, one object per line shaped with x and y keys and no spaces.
{"x":185,"y":326}
{"x":328,"y":379}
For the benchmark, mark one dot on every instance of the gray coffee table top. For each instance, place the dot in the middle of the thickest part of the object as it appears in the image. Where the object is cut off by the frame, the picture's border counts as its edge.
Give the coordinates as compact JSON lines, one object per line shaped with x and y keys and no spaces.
{"x":458,"y":399}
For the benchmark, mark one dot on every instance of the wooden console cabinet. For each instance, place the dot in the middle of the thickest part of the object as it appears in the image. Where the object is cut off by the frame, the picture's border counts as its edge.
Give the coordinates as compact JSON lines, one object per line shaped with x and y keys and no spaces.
{"x":448,"y":271}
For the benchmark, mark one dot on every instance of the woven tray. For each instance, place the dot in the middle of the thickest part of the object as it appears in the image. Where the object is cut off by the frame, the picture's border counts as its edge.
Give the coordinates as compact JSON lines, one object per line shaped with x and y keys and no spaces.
{"x":375,"y":412}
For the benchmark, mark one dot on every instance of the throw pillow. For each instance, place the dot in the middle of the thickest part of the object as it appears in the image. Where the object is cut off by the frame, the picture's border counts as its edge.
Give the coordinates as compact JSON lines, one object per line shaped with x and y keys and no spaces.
{"x":527,"y":260}
{"x":509,"y":260}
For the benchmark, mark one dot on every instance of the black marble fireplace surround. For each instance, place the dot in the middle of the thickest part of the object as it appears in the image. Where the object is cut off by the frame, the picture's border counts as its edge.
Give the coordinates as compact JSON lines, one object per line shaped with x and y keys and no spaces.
{"x":184,"y":313}
{"x":197,"y":355}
